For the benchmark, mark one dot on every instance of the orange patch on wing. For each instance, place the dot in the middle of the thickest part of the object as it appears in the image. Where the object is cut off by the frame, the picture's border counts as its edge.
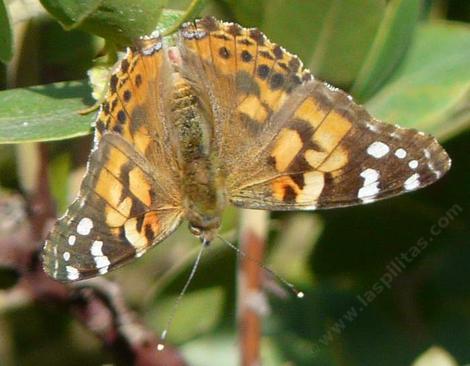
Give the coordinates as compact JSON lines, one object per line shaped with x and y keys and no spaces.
{"x":287,"y":146}
{"x":311,"y":111}
{"x":273,"y":98}
{"x":109,"y":188}
{"x":308,"y":194}
{"x":315,"y":158}
{"x":142,"y":140}
{"x":337,"y":159}
{"x":116,"y":160}
{"x":201,"y":47}
{"x":139,"y":186}
{"x":223,"y":53}
{"x":242,"y":52}
{"x":114,"y":218}
{"x":281,"y":185}
{"x":252,"y":107}
{"x":143,"y":238}
{"x":151,"y":65}
{"x":332,"y":131}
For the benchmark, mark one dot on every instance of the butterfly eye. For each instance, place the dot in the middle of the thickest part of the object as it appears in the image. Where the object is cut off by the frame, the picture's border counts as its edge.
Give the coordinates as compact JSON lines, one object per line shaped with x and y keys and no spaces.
{"x":196,"y":231}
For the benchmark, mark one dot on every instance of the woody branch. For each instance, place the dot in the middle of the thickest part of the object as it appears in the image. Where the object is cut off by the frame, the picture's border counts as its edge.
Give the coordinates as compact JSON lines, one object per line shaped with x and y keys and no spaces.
{"x":251,"y":300}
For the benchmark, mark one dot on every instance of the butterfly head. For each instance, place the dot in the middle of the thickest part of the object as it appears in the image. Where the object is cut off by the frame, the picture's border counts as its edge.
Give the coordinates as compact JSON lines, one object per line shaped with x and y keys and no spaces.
{"x":207,"y":232}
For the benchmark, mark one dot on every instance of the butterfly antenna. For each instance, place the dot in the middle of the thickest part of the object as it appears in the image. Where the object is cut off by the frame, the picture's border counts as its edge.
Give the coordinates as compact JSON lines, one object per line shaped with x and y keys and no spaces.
{"x":161,"y":345}
{"x":291,"y":287}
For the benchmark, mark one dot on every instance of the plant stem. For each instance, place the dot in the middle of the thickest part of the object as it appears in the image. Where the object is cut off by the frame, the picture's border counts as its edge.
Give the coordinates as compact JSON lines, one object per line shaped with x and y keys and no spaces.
{"x":251,"y":301}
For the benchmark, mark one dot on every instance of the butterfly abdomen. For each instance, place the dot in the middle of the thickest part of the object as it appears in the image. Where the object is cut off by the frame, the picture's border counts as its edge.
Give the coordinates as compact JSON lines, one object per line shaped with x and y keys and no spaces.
{"x":202,"y":188}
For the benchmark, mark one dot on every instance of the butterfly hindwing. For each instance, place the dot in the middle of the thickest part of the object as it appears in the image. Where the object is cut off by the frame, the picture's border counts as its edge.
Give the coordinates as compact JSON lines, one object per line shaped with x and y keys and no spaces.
{"x":120,"y":212}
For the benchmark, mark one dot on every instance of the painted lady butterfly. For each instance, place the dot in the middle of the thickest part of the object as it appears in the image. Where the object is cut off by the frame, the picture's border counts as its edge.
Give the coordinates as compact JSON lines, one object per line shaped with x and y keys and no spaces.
{"x":225,"y":117}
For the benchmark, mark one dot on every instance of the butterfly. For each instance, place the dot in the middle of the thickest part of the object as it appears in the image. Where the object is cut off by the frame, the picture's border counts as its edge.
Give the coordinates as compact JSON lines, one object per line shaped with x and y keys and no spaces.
{"x":223,"y":117}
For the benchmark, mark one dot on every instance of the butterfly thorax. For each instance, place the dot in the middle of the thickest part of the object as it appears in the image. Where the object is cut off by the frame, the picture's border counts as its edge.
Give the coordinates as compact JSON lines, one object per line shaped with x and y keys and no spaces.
{"x":200,"y":173}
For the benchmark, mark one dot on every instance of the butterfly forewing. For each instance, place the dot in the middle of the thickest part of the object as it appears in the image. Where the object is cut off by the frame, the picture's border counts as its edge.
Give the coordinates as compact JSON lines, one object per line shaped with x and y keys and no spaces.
{"x":330,"y":153}
{"x":288,"y":141}
{"x":119,"y":213}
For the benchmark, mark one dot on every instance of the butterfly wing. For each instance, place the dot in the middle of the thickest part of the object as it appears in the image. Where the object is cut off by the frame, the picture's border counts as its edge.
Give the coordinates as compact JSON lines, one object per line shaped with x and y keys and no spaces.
{"x":138,"y":101}
{"x":331,"y":153}
{"x":288,"y":141}
{"x":243,"y":77}
{"x":120,"y":212}
{"x":129,"y":198}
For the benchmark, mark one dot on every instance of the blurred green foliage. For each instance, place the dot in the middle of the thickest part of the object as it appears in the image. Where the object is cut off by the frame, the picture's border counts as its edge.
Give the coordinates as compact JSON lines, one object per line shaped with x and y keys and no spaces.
{"x":408,"y":61}
{"x":6,"y":51}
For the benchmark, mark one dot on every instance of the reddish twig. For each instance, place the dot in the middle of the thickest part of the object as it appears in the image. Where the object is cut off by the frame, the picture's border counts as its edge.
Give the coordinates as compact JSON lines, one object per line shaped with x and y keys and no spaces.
{"x":251,"y":300}
{"x":100,"y":306}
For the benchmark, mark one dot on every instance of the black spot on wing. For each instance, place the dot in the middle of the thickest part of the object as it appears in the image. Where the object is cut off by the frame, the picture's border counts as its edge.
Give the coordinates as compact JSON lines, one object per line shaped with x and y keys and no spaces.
{"x":263,"y":71}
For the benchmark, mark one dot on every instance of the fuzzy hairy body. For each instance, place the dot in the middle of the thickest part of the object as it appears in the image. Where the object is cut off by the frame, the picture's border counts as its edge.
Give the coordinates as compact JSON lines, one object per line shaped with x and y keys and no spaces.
{"x":201,"y":176}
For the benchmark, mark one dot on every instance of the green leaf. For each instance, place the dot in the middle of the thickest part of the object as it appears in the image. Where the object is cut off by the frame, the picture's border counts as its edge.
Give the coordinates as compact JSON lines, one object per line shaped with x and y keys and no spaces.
{"x":193,"y":10}
{"x":121,"y":21}
{"x":199,"y":312}
{"x":331,"y":37}
{"x":168,"y":18}
{"x":45,"y":112}
{"x":246,"y":12}
{"x":431,"y":89}
{"x":59,"y":169}
{"x":6,"y":37}
{"x":390,"y":44}
{"x":50,"y":112}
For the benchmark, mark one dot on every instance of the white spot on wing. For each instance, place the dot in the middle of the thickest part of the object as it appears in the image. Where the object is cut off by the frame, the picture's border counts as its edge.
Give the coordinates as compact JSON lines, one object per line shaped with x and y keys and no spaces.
{"x":66,"y":256}
{"x":370,"y":187}
{"x":412,"y":182}
{"x":436,"y":172}
{"x":103,"y":270}
{"x":72,"y":239}
{"x":102,"y":262}
{"x":84,"y":226}
{"x":378,"y":149}
{"x":400,"y":153}
{"x":96,"y":248}
{"x":370,"y":176}
{"x":371,"y":127}
{"x":413,"y":164}
{"x":367,"y":193}
{"x":140,"y":253}
{"x":72,"y":273}
{"x":56,"y":262}
{"x":151,"y":50}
